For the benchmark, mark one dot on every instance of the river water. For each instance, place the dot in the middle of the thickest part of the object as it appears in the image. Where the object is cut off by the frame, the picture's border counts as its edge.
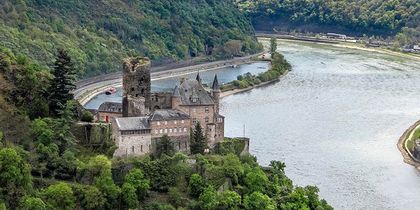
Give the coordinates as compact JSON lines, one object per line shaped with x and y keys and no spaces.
{"x":335,"y":121}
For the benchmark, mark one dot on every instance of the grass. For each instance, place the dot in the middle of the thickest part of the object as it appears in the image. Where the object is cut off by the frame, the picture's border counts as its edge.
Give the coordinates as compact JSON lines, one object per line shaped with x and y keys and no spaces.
{"x":411,"y":141}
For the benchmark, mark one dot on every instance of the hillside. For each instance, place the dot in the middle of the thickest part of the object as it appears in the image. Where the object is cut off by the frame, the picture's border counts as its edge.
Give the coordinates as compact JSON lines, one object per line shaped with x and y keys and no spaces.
{"x":99,"y":33}
{"x":357,"y":17}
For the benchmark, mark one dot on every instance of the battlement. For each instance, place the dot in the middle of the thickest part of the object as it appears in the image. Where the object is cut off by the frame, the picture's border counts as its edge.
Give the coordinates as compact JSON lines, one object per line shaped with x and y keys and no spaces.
{"x":136,"y":64}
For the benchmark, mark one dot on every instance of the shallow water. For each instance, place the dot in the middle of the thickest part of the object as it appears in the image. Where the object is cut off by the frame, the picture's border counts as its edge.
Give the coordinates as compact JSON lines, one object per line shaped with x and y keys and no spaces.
{"x":335,"y":121}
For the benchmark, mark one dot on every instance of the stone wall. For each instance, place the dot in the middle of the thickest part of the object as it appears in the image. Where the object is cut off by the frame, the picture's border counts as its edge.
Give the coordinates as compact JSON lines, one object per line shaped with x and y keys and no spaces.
{"x":180,"y":144}
{"x":172,"y":128}
{"x":133,"y":145}
{"x":136,"y":83}
{"x":161,"y":101}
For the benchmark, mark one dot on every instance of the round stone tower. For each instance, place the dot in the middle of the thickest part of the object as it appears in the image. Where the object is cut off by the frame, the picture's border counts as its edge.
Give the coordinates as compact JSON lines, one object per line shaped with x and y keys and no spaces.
{"x":136,"y":87}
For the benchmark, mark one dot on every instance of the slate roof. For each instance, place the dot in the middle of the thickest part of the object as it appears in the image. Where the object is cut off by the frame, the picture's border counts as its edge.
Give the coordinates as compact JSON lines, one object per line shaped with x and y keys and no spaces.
{"x":132,"y":123}
{"x":110,"y":107}
{"x":215,"y":85}
{"x":168,"y":114}
{"x":191,"y":89}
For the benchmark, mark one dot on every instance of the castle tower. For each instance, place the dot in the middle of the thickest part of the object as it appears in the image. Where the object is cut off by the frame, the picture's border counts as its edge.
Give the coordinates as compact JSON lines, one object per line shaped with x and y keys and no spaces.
{"x":216,"y":93}
{"x":176,"y":98}
{"x":136,"y":87}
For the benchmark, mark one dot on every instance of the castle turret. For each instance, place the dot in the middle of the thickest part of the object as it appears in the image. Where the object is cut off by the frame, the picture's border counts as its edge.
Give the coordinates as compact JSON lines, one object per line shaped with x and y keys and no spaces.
{"x":176,"y":98}
{"x":136,"y":86}
{"x":198,"y":78}
{"x":216,"y":93}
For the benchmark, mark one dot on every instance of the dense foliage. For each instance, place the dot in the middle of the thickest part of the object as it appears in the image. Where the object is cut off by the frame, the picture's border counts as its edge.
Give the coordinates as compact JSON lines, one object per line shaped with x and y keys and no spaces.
{"x":209,"y":182}
{"x":99,"y":34}
{"x":377,"y":17}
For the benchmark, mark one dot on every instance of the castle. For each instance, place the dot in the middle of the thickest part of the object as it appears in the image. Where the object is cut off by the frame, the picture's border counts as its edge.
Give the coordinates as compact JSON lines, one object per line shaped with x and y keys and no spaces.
{"x":147,"y":116}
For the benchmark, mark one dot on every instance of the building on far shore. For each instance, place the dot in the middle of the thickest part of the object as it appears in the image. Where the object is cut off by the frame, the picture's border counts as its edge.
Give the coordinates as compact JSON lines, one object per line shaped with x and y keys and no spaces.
{"x":145,"y":117}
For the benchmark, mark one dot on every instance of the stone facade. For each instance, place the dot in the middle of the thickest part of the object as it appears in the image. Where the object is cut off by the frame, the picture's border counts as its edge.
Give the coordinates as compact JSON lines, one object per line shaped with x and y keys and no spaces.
{"x":149,"y":116}
{"x":131,"y":137}
{"x":136,"y":86}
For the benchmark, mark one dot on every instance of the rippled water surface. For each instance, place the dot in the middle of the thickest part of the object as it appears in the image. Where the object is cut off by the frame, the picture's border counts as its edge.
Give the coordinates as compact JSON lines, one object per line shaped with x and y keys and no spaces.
{"x":335,"y":120}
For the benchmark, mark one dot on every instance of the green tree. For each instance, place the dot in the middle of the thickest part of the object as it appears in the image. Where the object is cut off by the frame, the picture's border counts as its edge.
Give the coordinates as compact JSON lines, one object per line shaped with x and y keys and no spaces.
{"x":87,"y":116}
{"x":89,"y":197}
{"x":233,"y":167}
{"x":32,"y":203}
{"x":15,"y":176}
{"x":174,"y":197}
{"x":198,"y":143}
{"x":258,"y":201}
{"x":196,"y":185}
{"x":129,"y":196}
{"x":256,"y":179}
{"x":59,"y":197}
{"x":229,"y":200}
{"x":165,"y":146}
{"x":208,"y":199}
{"x":62,"y":83}
{"x":137,"y":180}
{"x":273,"y":45}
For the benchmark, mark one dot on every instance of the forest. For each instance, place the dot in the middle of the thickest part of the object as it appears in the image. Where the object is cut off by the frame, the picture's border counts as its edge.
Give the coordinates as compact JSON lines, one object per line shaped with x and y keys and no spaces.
{"x":99,"y":34}
{"x":358,"y":17}
{"x":43,"y":165}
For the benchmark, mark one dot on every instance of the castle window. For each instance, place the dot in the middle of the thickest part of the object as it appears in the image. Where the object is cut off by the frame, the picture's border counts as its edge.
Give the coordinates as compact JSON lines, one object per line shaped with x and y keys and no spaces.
{"x":156,"y":131}
{"x":175,"y":130}
{"x":166,"y":130}
{"x":132,"y":89}
{"x":207,"y":119}
{"x":182,"y":121}
{"x":132,"y":149}
{"x":185,"y":129}
{"x":158,"y":123}
{"x":179,"y":145}
{"x":170,"y":130}
{"x":161,"y":131}
{"x":166,"y":122}
{"x":141,"y":148}
{"x":175,"y":122}
{"x":207,"y":109}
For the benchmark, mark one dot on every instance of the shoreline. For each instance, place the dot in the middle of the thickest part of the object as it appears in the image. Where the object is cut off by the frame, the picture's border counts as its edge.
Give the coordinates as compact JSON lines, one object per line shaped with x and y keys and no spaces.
{"x":402,"y":146}
{"x":346,"y":45}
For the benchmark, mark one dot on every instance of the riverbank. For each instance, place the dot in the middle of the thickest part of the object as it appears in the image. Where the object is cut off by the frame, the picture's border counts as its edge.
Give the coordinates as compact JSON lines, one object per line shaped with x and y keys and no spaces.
{"x":279,"y":67}
{"x":342,"y":44}
{"x":263,"y":84}
{"x":403,"y":146}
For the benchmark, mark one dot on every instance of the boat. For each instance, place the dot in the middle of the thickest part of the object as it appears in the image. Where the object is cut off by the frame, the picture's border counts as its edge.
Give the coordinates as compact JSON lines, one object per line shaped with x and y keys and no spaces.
{"x":110,"y":91}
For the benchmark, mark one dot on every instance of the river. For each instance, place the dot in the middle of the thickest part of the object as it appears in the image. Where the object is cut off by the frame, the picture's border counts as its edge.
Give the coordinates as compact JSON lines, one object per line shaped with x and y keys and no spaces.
{"x":335,"y":121}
